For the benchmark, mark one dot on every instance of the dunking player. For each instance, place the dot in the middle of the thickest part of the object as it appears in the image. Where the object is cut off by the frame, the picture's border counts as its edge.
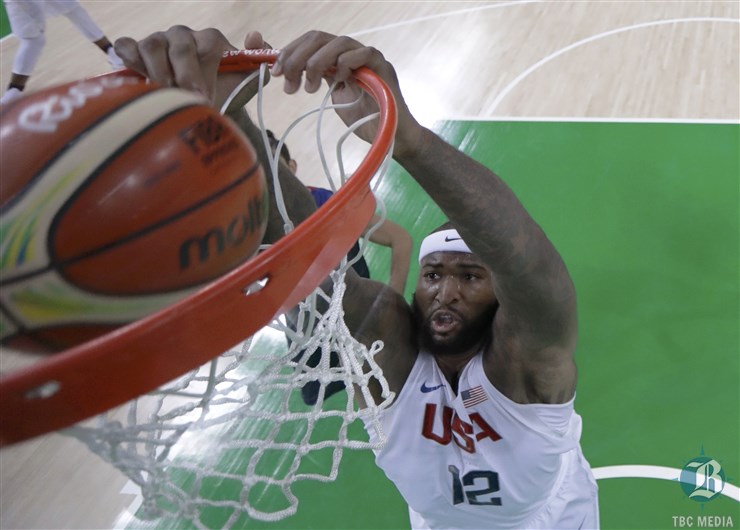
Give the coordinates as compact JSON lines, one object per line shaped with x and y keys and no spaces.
{"x":28,"y":23}
{"x":482,"y":433}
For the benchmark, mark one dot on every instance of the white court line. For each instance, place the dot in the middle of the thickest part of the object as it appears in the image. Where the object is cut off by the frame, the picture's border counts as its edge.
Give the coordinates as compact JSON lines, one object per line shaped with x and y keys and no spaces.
{"x":439,"y":15}
{"x":698,"y":121}
{"x":600,"y":473}
{"x":414,"y":20}
{"x":659,"y":472}
{"x":505,"y":92}
{"x":128,"y":516}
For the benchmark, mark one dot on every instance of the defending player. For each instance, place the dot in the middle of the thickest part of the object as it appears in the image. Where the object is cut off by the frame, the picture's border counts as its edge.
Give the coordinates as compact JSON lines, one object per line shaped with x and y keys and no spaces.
{"x":28,"y":23}
{"x":482,"y":433}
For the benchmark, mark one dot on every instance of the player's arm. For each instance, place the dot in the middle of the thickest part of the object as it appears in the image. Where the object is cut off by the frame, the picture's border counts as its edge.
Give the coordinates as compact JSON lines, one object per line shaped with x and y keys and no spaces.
{"x":190,"y":59}
{"x":535,"y":327}
{"x":395,"y":237}
{"x":372,"y":310}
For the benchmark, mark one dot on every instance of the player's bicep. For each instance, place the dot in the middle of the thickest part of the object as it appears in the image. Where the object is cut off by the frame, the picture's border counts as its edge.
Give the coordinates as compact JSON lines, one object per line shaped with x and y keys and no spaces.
{"x":530,"y":363}
{"x":369,"y":306}
{"x":374,"y":312}
{"x":538,"y":307}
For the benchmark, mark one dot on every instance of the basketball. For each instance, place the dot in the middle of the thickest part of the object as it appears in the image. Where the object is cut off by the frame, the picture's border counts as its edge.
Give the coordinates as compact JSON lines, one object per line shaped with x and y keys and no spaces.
{"x":118,"y":198}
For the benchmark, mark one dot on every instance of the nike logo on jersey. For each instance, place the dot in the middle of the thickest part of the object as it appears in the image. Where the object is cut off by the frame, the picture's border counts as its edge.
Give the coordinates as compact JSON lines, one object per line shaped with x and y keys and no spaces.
{"x":448,"y":239}
{"x":425,"y":388}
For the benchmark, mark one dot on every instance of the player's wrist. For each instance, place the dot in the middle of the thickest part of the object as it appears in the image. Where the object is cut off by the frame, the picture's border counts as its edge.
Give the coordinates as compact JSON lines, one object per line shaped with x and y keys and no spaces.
{"x":411,"y":144}
{"x":227,"y":83}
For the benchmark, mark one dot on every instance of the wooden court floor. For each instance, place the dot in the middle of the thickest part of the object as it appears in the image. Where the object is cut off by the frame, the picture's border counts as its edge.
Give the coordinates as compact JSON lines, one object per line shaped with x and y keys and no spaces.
{"x":628,"y":113}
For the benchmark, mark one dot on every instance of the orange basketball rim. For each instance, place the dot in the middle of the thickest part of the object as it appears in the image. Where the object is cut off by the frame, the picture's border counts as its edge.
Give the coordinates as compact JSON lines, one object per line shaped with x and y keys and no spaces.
{"x":132,"y":360}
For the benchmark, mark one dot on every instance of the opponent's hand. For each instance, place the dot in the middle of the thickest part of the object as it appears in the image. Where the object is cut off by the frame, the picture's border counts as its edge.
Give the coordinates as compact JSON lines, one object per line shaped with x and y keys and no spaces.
{"x":318,"y":55}
{"x":188,"y":59}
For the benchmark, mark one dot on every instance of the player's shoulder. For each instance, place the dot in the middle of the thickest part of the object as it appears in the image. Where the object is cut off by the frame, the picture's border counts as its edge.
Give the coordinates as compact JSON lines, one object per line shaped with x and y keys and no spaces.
{"x":320,"y":195}
{"x":378,"y":312}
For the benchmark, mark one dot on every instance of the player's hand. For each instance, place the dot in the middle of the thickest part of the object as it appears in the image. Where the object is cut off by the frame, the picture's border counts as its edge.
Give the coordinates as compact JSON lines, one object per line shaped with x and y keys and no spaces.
{"x":188,"y":59}
{"x":316,"y":56}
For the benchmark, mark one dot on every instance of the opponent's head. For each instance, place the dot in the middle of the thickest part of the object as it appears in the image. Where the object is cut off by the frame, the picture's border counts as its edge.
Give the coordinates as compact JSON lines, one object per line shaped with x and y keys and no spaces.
{"x":454,"y":302}
{"x":284,"y":152}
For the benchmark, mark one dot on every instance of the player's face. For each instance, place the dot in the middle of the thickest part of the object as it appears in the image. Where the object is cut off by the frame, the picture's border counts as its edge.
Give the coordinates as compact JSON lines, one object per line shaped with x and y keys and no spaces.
{"x":454,"y":303}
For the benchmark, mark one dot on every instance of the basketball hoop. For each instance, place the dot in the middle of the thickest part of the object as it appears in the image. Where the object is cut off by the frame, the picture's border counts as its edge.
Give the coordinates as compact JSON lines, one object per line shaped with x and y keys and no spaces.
{"x":89,"y":379}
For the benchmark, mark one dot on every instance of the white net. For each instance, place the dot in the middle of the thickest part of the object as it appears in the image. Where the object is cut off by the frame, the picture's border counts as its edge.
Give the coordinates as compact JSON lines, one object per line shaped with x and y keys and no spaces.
{"x":232,"y":439}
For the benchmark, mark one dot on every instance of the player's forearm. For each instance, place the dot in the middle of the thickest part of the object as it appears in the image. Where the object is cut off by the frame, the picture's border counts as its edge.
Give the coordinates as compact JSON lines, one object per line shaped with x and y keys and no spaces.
{"x":399,"y":269}
{"x":401,"y":244}
{"x":394,"y":236}
{"x":298,"y":200}
{"x":484,"y":209}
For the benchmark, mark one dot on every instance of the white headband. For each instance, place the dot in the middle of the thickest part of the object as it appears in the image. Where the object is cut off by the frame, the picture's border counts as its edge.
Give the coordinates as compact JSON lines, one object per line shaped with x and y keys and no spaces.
{"x":444,"y":241}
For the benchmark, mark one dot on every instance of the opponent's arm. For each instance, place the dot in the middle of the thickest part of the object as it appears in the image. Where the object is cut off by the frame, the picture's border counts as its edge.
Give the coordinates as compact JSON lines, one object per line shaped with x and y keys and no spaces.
{"x":395,"y":237}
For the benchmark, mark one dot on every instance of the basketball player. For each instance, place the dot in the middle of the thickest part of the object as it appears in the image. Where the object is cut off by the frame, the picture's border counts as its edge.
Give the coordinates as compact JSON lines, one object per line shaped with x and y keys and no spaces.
{"x":482,"y":433}
{"x":388,"y":234}
{"x":28,"y":23}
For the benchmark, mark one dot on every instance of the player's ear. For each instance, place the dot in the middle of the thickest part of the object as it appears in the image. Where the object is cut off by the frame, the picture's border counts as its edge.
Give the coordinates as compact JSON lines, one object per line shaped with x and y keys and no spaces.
{"x":293,"y":165}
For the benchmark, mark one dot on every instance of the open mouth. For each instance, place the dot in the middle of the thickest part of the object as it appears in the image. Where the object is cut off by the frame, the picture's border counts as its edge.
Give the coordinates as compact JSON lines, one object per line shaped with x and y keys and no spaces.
{"x":443,"y":322}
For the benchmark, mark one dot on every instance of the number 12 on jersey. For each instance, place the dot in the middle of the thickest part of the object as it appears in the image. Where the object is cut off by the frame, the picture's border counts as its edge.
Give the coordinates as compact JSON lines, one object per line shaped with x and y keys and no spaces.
{"x":461,"y":487}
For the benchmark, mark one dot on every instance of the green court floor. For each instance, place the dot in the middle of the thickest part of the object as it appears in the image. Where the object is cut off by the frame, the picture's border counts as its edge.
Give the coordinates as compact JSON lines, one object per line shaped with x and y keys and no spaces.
{"x":646,"y":218}
{"x":4,"y":22}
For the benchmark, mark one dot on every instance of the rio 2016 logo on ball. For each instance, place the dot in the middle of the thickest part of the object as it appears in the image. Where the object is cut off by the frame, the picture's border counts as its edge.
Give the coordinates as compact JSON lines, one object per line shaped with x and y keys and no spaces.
{"x":118,"y":198}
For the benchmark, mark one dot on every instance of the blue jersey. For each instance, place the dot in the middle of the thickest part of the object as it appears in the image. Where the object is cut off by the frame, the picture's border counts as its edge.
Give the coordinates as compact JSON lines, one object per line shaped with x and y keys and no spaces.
{"x":320,"y":196}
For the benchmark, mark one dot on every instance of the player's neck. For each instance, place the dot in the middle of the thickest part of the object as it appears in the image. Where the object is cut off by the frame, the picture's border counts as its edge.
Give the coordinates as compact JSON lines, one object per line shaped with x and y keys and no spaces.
{"x":452,"y":365}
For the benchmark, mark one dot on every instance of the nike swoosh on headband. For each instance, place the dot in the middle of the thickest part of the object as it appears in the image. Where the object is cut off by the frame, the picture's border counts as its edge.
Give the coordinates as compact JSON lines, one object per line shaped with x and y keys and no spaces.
{"x":443,"y":241}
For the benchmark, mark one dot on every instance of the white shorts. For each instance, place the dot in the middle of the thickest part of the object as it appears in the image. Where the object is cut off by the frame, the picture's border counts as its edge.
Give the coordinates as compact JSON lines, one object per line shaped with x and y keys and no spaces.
{"x":59,"y":7}
{"x":28,"y":17}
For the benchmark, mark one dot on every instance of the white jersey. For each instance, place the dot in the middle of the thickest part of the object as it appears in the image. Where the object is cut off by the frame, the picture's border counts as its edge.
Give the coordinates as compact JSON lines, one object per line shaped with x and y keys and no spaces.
{"x":478,"y":460}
